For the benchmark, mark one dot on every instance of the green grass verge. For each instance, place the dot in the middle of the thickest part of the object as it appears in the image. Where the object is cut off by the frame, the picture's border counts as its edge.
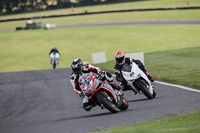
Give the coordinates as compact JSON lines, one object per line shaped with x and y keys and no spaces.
{"x":117,"y":6}
{"x":113,"y":17}
{"x":171,"y":51}
{"x":178,"y":124}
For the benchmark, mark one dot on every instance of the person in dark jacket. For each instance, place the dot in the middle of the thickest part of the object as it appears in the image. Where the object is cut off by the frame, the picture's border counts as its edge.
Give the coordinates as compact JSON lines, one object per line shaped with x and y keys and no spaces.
{"x":121,"y":60}
{"x":54,"y":50}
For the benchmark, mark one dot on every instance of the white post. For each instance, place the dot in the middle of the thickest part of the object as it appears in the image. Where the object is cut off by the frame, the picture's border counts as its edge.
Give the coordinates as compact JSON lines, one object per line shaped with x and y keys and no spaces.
{"x":99,"y":57}
{"x":136,"y":56}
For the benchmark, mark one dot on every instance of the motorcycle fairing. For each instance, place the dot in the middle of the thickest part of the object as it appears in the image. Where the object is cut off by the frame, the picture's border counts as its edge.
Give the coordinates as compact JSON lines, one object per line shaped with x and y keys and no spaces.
{"x":134,"y":74}
{"x":110,"y":89}
{"x":107,"y":88}
{"x":54,"y":57}
{"x":91,"y":83}
{"x":88,"y":85}
{"x":127,"y":67}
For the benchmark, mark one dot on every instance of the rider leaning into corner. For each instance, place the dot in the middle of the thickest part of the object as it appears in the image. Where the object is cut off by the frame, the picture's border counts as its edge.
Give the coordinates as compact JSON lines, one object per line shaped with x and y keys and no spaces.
{"x":121,"y":60}
{"x":78,"y":69}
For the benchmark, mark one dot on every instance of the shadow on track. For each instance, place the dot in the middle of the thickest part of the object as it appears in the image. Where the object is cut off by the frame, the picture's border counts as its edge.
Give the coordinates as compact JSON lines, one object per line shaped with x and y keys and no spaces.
{"x":140,"y":100}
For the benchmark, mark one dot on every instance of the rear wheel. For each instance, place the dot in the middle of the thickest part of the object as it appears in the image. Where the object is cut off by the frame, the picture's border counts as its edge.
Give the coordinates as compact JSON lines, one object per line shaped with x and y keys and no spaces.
{"x":108,"y":104}
{"x":143,"y":87}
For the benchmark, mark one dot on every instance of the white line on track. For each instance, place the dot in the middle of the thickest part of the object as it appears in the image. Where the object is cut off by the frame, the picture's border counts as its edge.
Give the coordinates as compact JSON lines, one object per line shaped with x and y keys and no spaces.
{"x":178,"y":86}
{"x":174,"y":85}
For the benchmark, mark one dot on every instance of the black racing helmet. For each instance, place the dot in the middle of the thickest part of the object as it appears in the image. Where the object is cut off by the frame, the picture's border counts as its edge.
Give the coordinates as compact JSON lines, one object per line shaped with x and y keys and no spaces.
{"x":77,"y":66}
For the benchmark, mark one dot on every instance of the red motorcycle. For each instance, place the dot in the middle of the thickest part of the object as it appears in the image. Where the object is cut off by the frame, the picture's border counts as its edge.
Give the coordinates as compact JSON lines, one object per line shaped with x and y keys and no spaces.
{"x":103,"y":95}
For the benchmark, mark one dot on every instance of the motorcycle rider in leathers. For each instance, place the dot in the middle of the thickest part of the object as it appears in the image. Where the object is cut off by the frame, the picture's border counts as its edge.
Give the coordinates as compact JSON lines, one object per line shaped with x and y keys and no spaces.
{"x":121,"y":60}
{"x":79,"y":70}
{"x":53,"y":50}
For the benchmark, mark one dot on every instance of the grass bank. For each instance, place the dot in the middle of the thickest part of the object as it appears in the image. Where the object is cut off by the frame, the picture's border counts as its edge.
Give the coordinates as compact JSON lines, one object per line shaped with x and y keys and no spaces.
{"x":178,"y":124}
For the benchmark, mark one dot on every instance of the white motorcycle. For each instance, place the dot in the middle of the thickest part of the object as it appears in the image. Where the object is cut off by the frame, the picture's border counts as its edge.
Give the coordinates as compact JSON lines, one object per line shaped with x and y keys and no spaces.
{"x":138,"y":81}
{"x":54,"y":59}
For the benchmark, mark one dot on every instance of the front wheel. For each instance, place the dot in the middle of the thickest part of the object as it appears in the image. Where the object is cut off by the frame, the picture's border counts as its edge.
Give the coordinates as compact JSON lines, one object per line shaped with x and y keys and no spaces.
{"x":54,"y":65}
{"x":106,"y":103}
{"x":141,"y":84}
{"x":154,"y":93}
{"x":124,"y":104}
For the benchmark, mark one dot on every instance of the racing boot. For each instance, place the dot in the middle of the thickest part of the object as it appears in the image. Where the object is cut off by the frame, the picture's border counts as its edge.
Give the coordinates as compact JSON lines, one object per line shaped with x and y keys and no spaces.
{"x":87,"y":104}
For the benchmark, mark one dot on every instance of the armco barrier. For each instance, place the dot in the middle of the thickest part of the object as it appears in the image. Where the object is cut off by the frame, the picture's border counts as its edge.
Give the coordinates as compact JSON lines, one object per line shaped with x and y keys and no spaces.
{"x":100,"y":12}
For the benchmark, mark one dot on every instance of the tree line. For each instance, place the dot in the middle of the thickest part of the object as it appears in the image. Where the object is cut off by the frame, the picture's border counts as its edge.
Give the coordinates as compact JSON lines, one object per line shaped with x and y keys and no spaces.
{"x":21,"y":6}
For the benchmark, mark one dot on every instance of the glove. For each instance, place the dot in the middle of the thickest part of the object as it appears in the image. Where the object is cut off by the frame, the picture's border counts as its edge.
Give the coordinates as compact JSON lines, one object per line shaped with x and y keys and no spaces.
{"x":123,"y":87}
{"x":81,"y":95}
{"x":151,"y":78}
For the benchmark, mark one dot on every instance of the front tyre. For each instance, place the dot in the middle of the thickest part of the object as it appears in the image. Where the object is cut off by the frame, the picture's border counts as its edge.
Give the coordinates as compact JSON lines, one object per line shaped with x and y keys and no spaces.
{"x":142,"y":85}
{"x":106,"y":103}
{"x":154,"y":93}
{"x":124,"y":104}
{"x":54,"y":65}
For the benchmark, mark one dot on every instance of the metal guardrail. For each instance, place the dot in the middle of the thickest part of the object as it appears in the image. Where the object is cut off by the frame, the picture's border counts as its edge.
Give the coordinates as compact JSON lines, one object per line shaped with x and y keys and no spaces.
{"x":100,"y":12}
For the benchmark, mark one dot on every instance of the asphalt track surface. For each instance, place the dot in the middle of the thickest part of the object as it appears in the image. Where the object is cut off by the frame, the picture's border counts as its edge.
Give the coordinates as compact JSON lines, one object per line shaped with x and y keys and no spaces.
{"x":151,"y":22}
{"x":44,"y":102}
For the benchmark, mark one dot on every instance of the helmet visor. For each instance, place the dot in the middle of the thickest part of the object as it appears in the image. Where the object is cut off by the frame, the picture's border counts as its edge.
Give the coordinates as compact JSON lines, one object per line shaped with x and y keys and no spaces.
{"x":120,"y":60}
{"x":76,"y":70}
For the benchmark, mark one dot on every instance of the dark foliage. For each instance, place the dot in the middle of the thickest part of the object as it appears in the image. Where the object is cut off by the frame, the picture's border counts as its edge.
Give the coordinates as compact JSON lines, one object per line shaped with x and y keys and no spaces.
{"x":21,"y":6}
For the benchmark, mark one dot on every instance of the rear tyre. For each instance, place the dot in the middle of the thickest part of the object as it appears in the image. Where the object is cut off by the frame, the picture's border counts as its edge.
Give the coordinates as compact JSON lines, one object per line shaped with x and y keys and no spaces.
{"x":143,"y":87}
{"x":107,"y":103}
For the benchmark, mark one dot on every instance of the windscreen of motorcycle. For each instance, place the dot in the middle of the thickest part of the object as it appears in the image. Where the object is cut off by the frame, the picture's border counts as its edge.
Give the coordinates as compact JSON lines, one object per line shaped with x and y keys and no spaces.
{"x":131,"y":72}
{"x":127,"y":67}
{"x":54,"y":56}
